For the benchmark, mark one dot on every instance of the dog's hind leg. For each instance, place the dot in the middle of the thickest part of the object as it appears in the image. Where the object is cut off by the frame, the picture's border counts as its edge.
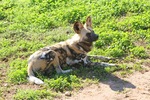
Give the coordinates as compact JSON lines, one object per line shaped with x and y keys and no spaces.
{"x":98,"y":57}
{"x":58,"y":67}
{"x":103,"y":64}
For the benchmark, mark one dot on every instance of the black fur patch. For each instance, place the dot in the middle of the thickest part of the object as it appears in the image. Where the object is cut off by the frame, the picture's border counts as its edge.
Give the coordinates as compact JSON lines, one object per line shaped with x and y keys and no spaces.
{"x":86,"y":46}
{"x":49,"y":55}
{"x":76,"y":56}
{"x":63,"y":53}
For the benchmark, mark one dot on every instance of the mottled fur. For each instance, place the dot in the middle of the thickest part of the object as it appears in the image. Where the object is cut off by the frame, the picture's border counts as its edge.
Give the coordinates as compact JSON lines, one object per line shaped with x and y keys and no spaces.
{"x":69,"y":52}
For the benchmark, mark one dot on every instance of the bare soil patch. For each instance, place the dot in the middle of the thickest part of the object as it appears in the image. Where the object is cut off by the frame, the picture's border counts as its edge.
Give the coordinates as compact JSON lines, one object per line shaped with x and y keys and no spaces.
{"x":133,"y":87}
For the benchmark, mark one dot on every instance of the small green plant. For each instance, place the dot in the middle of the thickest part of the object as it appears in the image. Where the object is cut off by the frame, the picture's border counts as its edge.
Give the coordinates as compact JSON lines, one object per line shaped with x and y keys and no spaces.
{"x":24,"y":45}
{"x":115,"y":52}
{"x":1,"y":91}
{"x":2,"y":14}
{"x":62,"y":83}
{"x":139,"y":52}
{"x":7,"y":51}
{"x":111,"y":69}
{"x":18,"y":71}
{"x":18,"y":76}
{"x":30,"y":94}
{"x":137,"y":67}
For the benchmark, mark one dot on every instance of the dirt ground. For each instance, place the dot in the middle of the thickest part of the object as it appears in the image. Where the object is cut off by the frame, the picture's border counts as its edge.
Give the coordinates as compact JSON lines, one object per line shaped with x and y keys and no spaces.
{"x":134,"y":87}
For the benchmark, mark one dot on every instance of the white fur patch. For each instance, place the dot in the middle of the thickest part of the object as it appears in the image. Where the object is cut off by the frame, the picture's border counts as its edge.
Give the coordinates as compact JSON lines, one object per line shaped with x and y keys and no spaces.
{"x":35,"y":80}
{"x":43,"y":55}
{"x":71,"y":62}
{"x":85,"y":60}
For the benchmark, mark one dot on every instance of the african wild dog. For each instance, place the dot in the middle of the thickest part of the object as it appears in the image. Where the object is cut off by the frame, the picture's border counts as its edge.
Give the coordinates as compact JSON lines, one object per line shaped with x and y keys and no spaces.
{"x":69,"y":52}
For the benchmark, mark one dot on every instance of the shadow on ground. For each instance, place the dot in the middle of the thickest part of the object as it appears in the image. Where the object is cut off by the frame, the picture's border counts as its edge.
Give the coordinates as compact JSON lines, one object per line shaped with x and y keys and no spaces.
{"x":117,"y":84}
{"x":100,"y":73}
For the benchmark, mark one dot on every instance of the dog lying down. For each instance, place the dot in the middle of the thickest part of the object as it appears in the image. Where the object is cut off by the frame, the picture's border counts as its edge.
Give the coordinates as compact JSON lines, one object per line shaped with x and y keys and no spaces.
{"x":69,"y":52}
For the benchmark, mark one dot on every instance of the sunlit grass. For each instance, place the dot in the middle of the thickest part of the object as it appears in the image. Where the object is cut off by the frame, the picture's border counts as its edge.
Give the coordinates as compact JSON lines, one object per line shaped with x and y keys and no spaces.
{"x":123,"y":27}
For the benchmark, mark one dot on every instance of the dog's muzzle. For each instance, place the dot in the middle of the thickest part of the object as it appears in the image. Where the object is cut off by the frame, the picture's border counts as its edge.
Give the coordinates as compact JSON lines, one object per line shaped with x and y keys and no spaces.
{"x":94,"y":37}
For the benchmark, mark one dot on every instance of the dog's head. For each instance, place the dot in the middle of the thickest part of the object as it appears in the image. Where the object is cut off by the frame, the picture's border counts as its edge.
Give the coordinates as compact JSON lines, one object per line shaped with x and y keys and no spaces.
{"x":85,"y":31}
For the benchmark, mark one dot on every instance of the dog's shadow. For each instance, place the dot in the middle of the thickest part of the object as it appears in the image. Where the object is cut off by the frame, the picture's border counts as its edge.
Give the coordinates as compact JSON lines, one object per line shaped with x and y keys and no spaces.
{"x":117,"y":84}
{"x":99,"y":73}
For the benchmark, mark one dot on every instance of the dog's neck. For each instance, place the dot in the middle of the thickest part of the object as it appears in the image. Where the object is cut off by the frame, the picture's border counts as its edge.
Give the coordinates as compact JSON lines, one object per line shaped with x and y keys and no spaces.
{"x":86,"y":46}
{"x":79,"y":45}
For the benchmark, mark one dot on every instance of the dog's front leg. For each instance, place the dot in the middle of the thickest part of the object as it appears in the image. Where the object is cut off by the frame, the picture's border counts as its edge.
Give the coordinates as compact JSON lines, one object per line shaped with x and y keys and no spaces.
{"x":59,"y":70}
{"x":58,"y":67}
{"x":86,"y":61}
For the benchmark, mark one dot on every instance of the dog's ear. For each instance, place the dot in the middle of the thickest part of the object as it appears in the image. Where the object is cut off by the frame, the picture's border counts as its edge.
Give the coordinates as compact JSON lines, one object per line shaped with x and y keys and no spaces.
{"x":77,"y":27}
{"x":88,"y":21}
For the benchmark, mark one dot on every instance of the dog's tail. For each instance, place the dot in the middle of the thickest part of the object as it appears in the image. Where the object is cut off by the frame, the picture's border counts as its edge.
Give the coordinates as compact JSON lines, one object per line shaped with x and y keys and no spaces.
{"x":32,"y":78}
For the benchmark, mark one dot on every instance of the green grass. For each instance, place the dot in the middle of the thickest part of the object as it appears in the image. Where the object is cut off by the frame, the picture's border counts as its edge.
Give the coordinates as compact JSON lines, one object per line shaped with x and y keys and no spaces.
{"x":63,"y":82}
{"x":123,"y":27}
{"x":139,"y":52}
{"x":34,"y":95}
{"x":18,"y":71}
